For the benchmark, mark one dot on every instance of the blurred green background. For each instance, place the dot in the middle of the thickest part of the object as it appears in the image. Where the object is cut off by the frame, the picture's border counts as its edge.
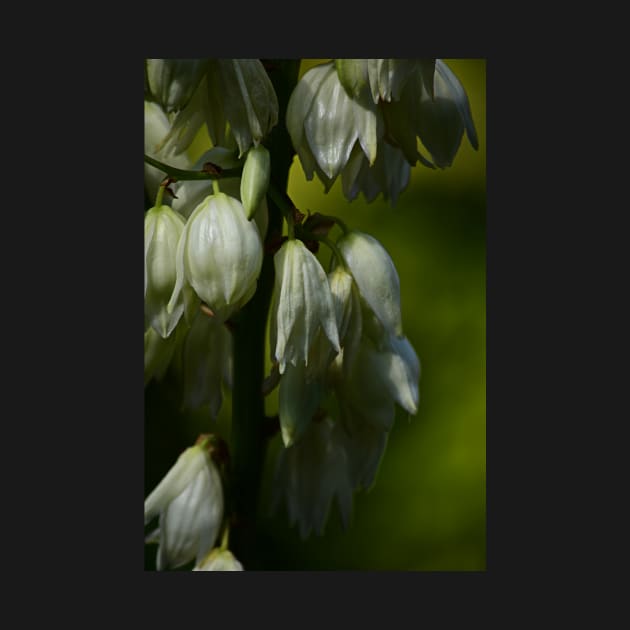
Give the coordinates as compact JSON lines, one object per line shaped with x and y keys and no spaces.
{"x":427,"y":508}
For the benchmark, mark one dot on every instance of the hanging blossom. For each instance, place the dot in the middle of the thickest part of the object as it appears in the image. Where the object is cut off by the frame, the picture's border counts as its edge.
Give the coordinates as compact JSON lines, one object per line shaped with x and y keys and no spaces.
{"x":206,"y":364}
{"x":360,"y":118}
{"x":189,"y":503}
{"x":356,"y":389}
{"x":234,"y":99}
{"x":219,"y":256}
{"x":162,"y":230}
{"x":310,"y":474}
{"x":219,"y":560}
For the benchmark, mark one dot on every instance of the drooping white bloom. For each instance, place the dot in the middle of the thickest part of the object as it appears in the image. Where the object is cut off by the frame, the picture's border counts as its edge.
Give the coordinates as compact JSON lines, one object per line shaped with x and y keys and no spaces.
{"x":361,"y":394}
{"x":162,"y":230}
{"x":158,"y":352}
{"x":299,"y":395}
{"x":385,"y":78}
{"x":310,"y":474}
{"x":219,"y":255}
{"x":219,"y":560}
{"x":172,"y":81}
{"x":302,"y":305}
{"x":365,"y":445}
{"x":438,"y":119}
{"x":388,"y":175}
{"x":325,"y":123}
{"x":234,"y":94}
{"x":156,"y":129}
{"x":189,"y":502}
{"x":375,"y":275}
{"x":347,"y":303}
{"x":207,"y":363}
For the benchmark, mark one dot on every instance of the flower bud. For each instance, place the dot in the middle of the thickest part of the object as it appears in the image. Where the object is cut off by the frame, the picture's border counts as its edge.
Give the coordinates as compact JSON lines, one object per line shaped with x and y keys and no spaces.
{"x":173,"y":81}
{"x":219,"y":255}
{"x":219,"y":560}
{"x":302,"y":305}
{"x":189,"y":501}
{"x":162,"y":230}
{"x":255,"y":179}
{"x":376,"y":276}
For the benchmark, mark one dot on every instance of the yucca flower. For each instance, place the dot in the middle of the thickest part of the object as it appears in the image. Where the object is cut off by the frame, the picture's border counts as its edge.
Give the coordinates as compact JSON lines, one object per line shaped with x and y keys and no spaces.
{"x":234,"y":94}
{"x":375,"y":274}
{"x":156,"y":128}
{"x":302,"y":306}
{"x":439,"y":119}
{"x":171,"y":82}
{"x":162,"y":230}
{"x":189,"y":503}
{"x":206,"y":363}
{"x":219,"y":255}
{"x":310,"y":474}
{"x":325,"y":124}
{"x":219,"y":560}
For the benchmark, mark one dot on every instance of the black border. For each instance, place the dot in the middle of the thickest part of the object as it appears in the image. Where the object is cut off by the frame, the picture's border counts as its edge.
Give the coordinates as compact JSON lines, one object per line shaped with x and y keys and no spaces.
{"x":106,"y":398}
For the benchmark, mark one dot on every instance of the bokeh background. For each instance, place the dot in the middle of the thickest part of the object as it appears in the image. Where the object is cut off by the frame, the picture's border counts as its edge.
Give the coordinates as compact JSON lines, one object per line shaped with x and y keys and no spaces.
{"x":427,"y":508}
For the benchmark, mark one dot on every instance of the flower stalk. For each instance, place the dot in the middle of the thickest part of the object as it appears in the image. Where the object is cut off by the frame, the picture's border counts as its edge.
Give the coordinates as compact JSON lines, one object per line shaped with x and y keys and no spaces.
{"x":248,"y":442}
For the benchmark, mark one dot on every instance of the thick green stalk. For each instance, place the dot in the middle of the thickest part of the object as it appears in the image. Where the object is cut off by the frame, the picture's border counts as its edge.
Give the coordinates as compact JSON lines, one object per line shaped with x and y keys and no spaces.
{"x":248,"y":442}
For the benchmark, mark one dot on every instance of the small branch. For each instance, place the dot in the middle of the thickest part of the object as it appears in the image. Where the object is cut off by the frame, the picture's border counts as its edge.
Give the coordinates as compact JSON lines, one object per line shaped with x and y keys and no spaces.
{"x":180,"y":174}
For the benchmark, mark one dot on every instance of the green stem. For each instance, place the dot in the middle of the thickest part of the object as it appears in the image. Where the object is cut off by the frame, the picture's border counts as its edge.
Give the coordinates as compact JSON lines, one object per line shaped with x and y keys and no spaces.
{"x":248,"y":442}
{"x":334,"y":248}
{"x":181,"y":174}
{"x":160,"y":195}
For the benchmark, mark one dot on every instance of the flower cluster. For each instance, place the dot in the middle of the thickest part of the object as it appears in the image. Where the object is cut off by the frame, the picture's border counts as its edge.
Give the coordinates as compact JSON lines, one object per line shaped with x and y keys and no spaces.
{"x":361,"y":118}
{"x":203,"y":255}
{"x":342,"y":365}
{"x":339,"y":354}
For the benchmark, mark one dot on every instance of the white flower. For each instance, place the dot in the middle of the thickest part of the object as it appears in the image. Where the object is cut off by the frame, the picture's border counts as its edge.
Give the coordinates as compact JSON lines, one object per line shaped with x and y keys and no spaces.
{"x":219,"y":255}
{"x":299,"y":395}
{"x":325,"y":123}
{"x":361,"y":394}
{"x":172,"y":81}
{"x":189,"y":502}
{"x":219,"y":560}
{"x":207,"y":363}
{"x":388,"y":175}
{"x":438,"y":119}
{"x":158,"y":352}
{"x":156,"y":128}
{"x":346,"y":299}
{"x":385,"y":78}
{"x":365,"y":445}
{"x":310,"y":474}
{"x":234,"y":94}
{"x":162,"y":230}
{"x":376,"y":276}
{"x":302,"y":305}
